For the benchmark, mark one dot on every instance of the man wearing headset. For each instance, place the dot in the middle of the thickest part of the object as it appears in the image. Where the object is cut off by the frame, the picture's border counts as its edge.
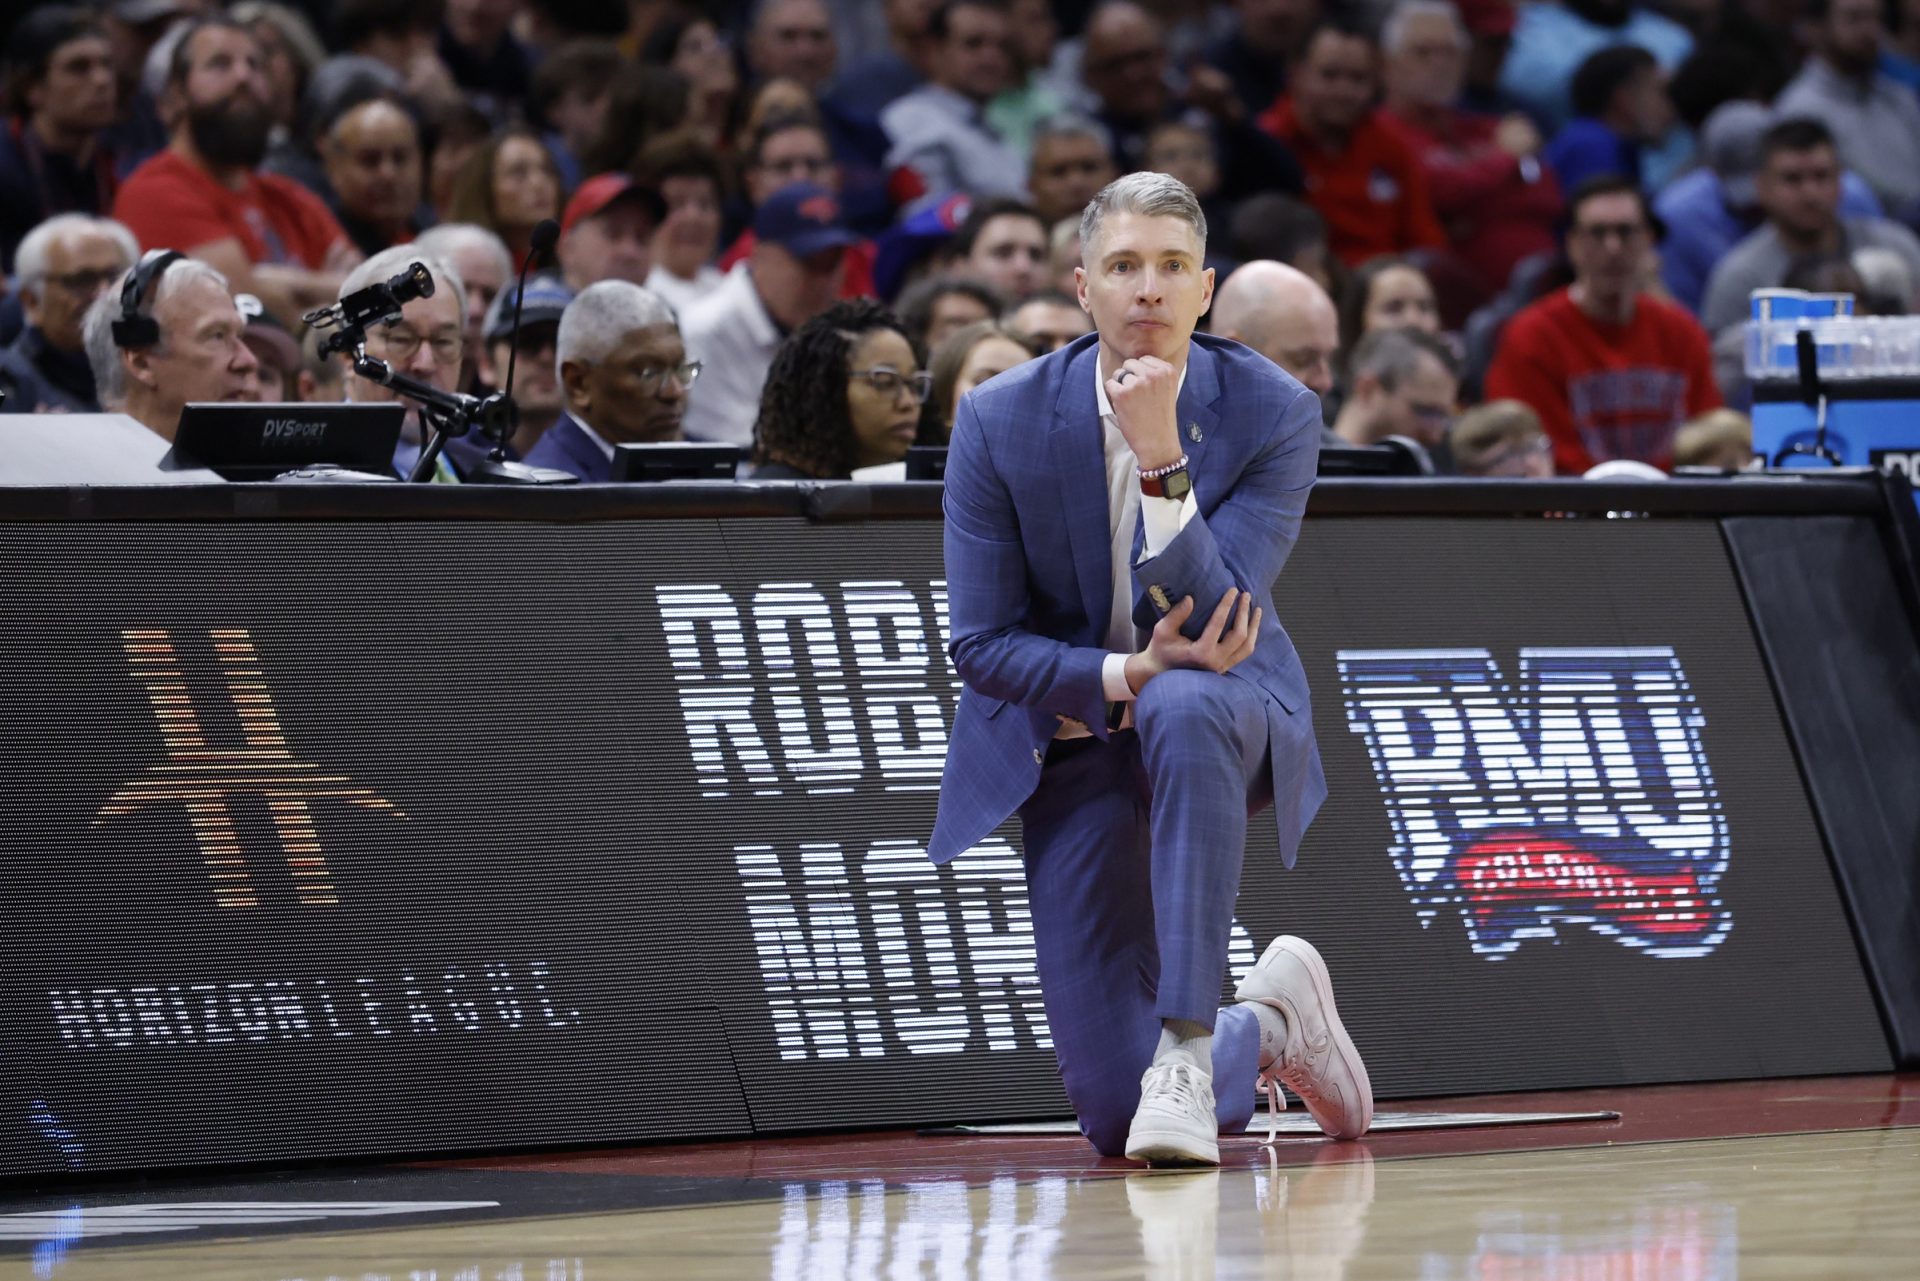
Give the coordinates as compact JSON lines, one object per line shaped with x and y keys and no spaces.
{"x":167,"y":334}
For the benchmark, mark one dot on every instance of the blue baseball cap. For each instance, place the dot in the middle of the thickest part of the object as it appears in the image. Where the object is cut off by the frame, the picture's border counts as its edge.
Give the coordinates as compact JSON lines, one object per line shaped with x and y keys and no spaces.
{"x":547,"y":298}
{"x":802,"y":219}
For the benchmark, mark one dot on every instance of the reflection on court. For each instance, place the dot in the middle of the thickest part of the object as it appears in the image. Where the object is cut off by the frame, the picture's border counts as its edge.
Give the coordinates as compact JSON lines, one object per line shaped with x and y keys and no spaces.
{"x":1802,"y":1206}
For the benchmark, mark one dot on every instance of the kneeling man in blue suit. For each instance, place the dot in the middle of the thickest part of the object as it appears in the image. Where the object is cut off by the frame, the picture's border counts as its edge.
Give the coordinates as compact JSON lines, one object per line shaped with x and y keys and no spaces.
{"x":1116,"y":515}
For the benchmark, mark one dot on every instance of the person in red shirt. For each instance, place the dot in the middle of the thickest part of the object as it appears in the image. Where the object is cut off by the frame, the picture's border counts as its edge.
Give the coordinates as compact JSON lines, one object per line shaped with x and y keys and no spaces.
{"x":204,"y":196}
{"x":1612,"y":370}
{"x":1496,"y":198}
{"x":1365,"y":182}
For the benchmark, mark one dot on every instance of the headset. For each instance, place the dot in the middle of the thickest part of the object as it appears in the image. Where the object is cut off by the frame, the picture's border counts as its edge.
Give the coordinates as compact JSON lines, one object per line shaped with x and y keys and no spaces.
{"x":134,"y":328}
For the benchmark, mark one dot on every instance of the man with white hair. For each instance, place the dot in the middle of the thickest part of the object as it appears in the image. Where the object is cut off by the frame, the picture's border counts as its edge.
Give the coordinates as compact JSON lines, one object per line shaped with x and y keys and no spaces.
{"x":167,"y":334}
{"x":1284,"y":314}
{"x":62,"y":265}
{"x":484,"y":266}
{"x":426,"y":342}
{"x":1116,"y":516}
{"x":624,"y":373}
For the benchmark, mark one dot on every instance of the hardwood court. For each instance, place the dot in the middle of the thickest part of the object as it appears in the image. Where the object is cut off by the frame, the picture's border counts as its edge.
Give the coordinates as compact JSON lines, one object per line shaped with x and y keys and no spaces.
{"x":1814,"y":1178}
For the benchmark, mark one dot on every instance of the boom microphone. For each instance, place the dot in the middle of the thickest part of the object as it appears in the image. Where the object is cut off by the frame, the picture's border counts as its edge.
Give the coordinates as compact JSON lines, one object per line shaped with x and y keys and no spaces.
{"x":546,"y":233}
{"x":350,"y":317}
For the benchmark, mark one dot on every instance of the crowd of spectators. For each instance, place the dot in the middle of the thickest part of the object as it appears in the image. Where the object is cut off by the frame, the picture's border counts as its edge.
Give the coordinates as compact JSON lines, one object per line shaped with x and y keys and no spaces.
{"x":1509,"y":237}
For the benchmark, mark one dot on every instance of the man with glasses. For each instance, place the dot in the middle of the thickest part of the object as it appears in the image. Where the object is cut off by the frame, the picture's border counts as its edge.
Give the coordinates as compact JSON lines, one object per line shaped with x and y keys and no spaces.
{"x":1404,"y":385}
{"x":427,"y":342}
{"x":624,"y":377}
{"x":62,"y":266}
{"x":1611,"y":369}
{"x":794,"y":273}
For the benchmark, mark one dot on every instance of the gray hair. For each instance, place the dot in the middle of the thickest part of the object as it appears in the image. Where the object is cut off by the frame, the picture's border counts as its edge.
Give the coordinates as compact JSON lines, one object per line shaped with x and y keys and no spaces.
{"x":601,"y":316}
{"x":1394,"y":33}
{"x":103,"y":354}
{"x":1393,"y":356}
{"x":391,"y":262}
{"x":30,"y":259}
{"x":1150,"y":195}
{"x":447,"y":240}
{"x":1071,"y":125}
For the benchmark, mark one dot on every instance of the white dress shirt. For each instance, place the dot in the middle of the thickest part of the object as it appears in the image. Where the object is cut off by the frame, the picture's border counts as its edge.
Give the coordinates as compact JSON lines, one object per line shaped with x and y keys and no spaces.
{"x":732,"y":336}
{"x":1161,"y":520}
{"x":684,"y":295}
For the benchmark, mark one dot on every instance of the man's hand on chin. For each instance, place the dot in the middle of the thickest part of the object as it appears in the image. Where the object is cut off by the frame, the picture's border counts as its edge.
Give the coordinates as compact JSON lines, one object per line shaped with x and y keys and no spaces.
{"x":1145,"y":393}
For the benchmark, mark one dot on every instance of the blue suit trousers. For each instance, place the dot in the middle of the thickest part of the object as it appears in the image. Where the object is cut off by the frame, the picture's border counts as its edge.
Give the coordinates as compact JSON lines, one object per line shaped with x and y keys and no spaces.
{"x":1133,"y":853}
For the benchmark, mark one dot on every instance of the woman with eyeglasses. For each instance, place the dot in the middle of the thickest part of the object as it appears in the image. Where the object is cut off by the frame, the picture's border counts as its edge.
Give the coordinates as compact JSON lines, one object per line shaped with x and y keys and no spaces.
{"x":844,"y":392}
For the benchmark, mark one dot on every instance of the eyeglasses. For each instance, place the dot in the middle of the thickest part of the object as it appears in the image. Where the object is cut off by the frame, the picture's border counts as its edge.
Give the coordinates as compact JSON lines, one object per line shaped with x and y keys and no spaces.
{"x":649,"y":377}
{"x":402,"y":342}
{"x":888,"y":382}
{"x":86,"y":282}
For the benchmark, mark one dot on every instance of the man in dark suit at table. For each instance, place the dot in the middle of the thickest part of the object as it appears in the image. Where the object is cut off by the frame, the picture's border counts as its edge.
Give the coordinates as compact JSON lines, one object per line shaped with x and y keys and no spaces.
{"x":1116,"y":515}
{"x":624,"y":374}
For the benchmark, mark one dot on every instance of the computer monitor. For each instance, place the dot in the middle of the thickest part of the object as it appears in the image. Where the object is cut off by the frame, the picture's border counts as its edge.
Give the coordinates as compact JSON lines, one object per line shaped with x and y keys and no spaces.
{"x":676,"y":460}
{"x":1388,"y":458}
{"x":262,"y":441}
{"x":926,"y":462}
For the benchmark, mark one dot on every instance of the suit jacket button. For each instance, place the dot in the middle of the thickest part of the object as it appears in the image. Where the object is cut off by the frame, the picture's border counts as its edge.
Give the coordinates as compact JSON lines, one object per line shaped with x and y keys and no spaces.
{"x":1038,"y":759}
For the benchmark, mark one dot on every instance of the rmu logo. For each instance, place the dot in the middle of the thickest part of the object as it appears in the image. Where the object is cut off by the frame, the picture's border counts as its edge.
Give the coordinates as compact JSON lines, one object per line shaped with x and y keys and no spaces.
{"x":207,"y":779}
{"x":1578,"y":795}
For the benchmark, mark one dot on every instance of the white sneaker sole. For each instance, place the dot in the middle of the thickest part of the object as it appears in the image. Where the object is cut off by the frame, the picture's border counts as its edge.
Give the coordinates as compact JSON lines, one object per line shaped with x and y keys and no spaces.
{"x":1344,"y":1051}
{"x":1168,"y":1147}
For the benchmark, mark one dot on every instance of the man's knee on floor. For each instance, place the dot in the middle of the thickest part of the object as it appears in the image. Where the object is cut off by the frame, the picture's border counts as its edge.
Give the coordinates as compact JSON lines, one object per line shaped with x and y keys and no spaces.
{"x":1105,"y":1109}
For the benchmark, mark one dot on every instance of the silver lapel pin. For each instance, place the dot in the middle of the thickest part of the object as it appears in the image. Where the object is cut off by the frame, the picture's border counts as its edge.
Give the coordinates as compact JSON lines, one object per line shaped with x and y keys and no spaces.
{"x":1193,"y":432}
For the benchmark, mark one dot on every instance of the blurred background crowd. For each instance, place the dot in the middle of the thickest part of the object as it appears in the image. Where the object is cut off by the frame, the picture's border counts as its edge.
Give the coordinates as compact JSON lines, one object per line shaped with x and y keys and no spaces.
{"x":1515,"y":239}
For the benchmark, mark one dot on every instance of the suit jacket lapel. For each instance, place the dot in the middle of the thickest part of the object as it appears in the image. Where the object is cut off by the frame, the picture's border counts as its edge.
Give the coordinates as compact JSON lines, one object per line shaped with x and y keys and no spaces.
{"x":592,"y":462}
{"x":1077,"y":450}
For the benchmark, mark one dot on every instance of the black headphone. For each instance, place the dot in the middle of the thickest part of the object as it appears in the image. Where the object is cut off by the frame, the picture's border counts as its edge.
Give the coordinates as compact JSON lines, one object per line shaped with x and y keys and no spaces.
{"x":134,"y":328}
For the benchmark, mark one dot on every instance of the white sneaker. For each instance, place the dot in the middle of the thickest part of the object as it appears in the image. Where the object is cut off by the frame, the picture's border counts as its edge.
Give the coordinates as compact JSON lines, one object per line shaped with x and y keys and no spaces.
{"x":1174,"y":1124}
{"x":1319,"y":1062}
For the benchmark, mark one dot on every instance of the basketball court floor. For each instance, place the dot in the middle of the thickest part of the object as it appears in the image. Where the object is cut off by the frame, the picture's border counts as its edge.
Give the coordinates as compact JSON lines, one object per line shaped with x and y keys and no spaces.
{"x":1806,"y":1178}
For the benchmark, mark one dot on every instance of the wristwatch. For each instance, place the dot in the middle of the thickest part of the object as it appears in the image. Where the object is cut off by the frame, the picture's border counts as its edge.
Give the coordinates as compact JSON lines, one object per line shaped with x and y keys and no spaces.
{"x":1174,"y":484}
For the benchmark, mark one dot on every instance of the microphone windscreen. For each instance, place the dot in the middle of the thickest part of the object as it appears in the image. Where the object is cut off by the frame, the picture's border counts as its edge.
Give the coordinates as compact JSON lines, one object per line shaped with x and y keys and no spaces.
{"x":546,"y":234}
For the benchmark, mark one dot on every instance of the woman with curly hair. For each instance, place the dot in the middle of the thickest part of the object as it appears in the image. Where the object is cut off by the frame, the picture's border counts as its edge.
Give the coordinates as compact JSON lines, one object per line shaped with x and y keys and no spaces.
{"x":845,"y":391}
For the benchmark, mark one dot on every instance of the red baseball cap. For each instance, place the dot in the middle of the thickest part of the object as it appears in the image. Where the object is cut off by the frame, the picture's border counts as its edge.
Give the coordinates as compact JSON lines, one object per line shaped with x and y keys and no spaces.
{"x":602,"y":190}
{"x":1487,"y":17}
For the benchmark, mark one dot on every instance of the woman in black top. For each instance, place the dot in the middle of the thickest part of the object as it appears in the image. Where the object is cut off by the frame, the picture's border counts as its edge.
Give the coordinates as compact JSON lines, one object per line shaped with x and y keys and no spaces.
{"x":844,"y":392}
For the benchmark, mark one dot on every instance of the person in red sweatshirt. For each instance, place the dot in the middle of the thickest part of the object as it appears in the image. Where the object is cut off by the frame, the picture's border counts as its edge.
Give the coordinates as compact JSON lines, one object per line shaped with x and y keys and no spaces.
{"x":1367,"y":184}
{"x":206,"y":196}
{"x":1612,"y":370}
{"x":1491,"y":187}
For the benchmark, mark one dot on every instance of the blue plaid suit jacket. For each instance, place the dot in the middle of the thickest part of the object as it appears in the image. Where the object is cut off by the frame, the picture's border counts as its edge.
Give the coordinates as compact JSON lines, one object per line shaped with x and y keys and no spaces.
{"x":1029,"y":568}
